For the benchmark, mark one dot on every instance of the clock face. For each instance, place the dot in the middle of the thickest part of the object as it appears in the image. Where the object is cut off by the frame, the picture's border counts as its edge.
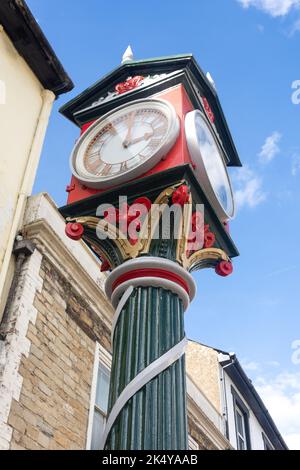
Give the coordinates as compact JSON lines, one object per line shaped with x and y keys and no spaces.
{"x":125,"y":143}
{"x":209,"y":162}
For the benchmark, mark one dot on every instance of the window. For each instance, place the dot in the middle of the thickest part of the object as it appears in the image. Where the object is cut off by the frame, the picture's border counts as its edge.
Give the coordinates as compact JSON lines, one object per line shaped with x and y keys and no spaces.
{"x":241,"y":415}
{"x":240,"y":429}
{"x":99,"y":398}
{"x":100,"y":407}
{"x":267,"y":443}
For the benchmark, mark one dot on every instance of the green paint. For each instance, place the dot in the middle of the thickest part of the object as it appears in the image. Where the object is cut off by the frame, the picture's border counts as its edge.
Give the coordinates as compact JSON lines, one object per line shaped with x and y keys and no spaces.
{"x":150,"y":324}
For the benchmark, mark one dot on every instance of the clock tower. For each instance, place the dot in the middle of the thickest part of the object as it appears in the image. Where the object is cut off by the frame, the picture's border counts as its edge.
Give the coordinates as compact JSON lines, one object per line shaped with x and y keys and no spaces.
{"x":151,"y":196}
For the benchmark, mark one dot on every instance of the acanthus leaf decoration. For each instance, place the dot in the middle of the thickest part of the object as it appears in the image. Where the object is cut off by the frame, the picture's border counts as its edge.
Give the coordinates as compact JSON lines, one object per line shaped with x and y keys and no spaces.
{"x":130,"y":230}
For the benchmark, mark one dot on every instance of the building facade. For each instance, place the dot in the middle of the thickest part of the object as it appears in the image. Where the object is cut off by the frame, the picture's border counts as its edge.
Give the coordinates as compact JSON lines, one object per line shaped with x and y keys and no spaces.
{"x":31,"y":77}
{"x":55,"y":356}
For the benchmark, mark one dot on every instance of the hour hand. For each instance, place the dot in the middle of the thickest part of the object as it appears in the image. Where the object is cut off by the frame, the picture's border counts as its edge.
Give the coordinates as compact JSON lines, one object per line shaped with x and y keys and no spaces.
{"x":146,"y":136}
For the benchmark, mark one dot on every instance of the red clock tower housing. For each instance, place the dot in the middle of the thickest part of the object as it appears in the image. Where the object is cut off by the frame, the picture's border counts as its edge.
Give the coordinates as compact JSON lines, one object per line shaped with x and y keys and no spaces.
{"x":176,"y":79}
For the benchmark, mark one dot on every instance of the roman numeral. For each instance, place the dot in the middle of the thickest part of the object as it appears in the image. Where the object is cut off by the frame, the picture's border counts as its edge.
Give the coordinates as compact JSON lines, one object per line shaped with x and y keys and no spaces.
{"x":156,"y":120}
{"x":160,"y":130}
{"x":93,"y":156}
{"x":124,"y":166}
{"x":106,"y":170}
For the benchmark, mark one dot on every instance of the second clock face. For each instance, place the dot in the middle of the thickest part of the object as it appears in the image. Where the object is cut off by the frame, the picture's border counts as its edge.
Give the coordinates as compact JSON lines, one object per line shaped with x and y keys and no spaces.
{"x":125,"y":143}
{"x":210,"y":167}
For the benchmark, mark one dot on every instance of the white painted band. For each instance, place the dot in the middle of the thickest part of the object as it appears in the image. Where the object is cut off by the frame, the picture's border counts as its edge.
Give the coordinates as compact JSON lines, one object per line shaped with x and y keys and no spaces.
{"x":119,"y":309}
{"x":153,"y":282}
{"x":145,"y":376}
{"x":145,"y":262}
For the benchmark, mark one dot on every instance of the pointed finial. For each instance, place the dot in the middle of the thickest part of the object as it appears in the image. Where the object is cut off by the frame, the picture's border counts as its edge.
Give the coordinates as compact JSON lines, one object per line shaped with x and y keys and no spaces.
{"x":211,"y":80}
{"x":128,"y":55}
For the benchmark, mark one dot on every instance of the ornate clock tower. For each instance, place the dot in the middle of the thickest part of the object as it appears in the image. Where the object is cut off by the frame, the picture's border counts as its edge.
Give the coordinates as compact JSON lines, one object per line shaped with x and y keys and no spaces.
{"x":151,"y":196}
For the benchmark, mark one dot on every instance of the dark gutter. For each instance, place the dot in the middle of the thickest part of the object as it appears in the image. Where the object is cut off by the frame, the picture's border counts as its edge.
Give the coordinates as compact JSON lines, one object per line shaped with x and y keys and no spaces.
{"x":31,"y":43}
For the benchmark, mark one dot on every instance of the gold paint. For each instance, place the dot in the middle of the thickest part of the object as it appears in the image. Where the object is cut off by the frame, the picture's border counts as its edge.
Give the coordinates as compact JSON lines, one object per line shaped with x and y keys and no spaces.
{"x":206,"y":257}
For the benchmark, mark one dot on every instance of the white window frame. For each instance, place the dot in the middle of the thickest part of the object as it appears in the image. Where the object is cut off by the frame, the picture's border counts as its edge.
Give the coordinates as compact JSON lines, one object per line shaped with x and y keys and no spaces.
{"x":102,"y":356}
{"x":243,"y":437}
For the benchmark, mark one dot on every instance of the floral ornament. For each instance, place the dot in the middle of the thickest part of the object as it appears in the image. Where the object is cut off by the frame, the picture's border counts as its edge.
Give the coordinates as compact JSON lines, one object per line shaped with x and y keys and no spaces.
{"x":208,"y":110}
{"x":129,"y":84}
{"x":181,"y":195}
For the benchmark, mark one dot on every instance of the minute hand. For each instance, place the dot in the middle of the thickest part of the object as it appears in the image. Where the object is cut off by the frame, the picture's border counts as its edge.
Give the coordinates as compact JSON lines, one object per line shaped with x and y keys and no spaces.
{"x":146,"y":136}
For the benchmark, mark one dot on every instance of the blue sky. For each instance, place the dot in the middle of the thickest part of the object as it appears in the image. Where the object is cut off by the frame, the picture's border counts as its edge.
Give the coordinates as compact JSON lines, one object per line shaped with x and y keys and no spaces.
{"x":251,"y":48}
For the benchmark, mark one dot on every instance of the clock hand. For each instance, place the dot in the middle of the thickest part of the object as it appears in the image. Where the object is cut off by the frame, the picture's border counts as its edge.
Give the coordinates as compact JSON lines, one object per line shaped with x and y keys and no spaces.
{"x":146,"y":136}
{"x":130,"y":124}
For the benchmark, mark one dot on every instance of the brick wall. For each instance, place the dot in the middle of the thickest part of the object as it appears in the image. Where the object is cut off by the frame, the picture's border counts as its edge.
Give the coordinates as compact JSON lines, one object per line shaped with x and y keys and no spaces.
{"x":52,"y":410}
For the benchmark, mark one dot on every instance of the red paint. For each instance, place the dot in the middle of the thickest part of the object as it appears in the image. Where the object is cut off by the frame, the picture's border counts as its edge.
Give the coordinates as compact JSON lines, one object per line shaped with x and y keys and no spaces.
{"x":74,"y":231}
{"x":224,"y":268}
{"x":144,"y":201}
{"x":209,"y":239}
{"x":70,"y":187}
{"x":178,"y":155}
{"x":111,"y":215}
{"x":197,"y":221}
{"x":208,"y":110}
{"x":181,"y":195}
{"x":151,"y":272}
{"x":105,"y":266}
{"x":129,"y":84}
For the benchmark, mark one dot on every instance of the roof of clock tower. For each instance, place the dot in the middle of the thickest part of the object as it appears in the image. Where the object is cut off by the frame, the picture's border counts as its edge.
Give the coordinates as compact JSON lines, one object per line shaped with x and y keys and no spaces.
{"x":156,"y":74}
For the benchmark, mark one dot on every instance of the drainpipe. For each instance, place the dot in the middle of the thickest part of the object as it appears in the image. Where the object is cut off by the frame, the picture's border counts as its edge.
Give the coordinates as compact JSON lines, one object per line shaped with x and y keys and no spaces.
{"x":28,"y":180}
{"x":22,"y":249}
{"x":225,"y":360}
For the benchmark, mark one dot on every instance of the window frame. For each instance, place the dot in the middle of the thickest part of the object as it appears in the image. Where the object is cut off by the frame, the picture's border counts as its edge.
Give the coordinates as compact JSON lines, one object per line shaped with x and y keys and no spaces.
{"x":239,"y":405}
{"x":267,"y":443}
{"x":103,"y":357}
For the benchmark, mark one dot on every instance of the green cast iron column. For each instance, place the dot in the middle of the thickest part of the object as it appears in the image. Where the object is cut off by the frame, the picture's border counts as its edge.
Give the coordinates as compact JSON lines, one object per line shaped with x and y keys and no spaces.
{"x":155,"y":418}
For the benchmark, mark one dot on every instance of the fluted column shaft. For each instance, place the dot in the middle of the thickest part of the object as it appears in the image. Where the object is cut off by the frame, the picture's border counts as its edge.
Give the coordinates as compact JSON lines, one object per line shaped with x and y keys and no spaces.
{"x":150,"y":324}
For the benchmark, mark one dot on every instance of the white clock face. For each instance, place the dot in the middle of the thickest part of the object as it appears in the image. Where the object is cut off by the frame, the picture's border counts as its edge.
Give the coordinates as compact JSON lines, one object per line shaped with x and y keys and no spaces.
{"x":125,"y":143}
{"x":210,"y":167}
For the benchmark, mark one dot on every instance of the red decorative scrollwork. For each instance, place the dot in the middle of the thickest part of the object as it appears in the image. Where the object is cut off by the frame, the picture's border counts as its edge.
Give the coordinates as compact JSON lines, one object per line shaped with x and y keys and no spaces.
{"x":74,"y":231}
{"x":224,"y":268}
{"x":130,"y":84}
{"x":209,"y":239}
{"x":181,"y":195}
{"x":208,"y":110}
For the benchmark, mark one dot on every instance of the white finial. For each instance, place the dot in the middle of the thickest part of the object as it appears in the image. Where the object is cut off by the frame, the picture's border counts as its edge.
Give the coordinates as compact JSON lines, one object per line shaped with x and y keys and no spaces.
{"x":128,"y":55}
{"x":211,"y":80}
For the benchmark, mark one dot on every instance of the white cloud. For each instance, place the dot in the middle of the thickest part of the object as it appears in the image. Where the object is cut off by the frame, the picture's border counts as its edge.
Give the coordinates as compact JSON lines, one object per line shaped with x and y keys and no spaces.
{"x":295,"y":28}
{"x":270,"y":147}
{"x":273,"y":363}
{"x":252,"y":366}
{"x":281,"y":396}
{"x":273,"y":8}
{"x":248,"y":188}
{"x":295,"y":164}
